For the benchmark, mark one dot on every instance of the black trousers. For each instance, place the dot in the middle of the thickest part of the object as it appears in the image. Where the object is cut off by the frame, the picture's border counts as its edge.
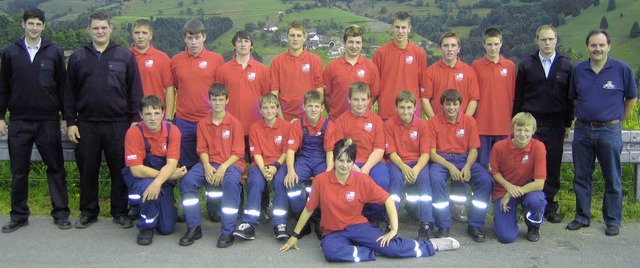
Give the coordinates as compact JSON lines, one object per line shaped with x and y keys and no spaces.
{"x":553,"y":139}
{"x":96,"y":138}
{"x":46,"y":136}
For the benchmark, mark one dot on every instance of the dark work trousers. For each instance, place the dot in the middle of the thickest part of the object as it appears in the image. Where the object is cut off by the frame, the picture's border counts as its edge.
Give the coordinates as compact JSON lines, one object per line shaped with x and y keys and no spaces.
{"x":97,"y":137}
{"x":553,"y":139}
{"x":46,"y":135}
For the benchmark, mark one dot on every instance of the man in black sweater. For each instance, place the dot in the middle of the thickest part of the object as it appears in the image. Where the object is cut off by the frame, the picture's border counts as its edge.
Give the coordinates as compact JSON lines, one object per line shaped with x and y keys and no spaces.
{"x":32,"y":80}
{"x":101,"y":101}
{"x":542,"y":89}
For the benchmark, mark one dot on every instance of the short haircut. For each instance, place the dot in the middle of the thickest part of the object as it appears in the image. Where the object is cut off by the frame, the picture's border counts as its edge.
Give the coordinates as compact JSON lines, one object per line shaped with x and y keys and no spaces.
{"x":33,"y":13}
{"x":359,"y":87}
{"x":345,"y":146}
{"x":99,"y":16}
{"x":313,"y":96}
{"x":596,"y":32}
{"x":405,"y":96}
{"x":217,"y":90}
{"x":298,"y":26}
{"x":241,"y":35}
{"x":449,"y":35}
{"x":546,"y":27}
{"x":491,"y":32}
{"x":193,"y":27}
{"x":451,"y":95}
{"x":269,"y":98}
{"x":142,"y":22}
{"x":523,"y":119}
{"x":352,"y":31}
{"x":151,"y":101}
{"x":401,"y":16}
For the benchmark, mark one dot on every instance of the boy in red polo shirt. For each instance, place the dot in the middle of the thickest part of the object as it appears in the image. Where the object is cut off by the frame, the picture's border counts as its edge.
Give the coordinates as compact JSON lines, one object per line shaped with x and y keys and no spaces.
{"x":408,"y":147}
{"x":454,"y":150}
{"x":519,"y":168}
{"x":221,"y":151}
{"x":267,"y":139}
{"x":295,"y":72}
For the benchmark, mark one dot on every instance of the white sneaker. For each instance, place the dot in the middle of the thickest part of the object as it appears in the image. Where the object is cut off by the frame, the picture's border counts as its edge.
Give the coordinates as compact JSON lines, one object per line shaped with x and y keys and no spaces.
{"x":445,"y":244}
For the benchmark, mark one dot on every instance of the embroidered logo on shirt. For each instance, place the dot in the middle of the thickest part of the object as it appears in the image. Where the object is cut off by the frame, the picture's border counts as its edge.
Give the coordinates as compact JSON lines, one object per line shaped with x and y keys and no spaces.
{"x":226,"y":134}
{"x":132,"y":157}
{"x":350,"y":196}
{"x":251,"y":76}
{"x":360,"y":73}
{"x":368,"y":127}
{"x":409,"y":59}
{"x":277,"y":139}
{"x":413,"y":135}
{"x":148,"y":64}
{"x":609,"y":85}
{"x":503,"y":72}
{"x":525,"y":159}
{"x":459,"y":76}
{"x":306,"y":68}
{"x":460,"y":133}
{"x":203,"y":64}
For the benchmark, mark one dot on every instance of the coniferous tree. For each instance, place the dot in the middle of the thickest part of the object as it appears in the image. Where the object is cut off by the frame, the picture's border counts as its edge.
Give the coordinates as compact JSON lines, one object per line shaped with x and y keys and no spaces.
{"x":635,"y":30}
{"x":612,"y":5}
{"x":603,"y":23}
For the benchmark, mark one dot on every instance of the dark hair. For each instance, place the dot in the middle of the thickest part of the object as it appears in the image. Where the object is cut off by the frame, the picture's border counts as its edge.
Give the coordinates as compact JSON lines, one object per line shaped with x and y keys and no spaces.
{"x":241,"y":35}
{"x":491,"y":32}
{"x":407,"y":96}
{"x":345,"y":146}
{"x":217,"y":90}
{"x":152,"y":101}
{"x":99,"y":16}
{"x":193,"y":27}
{"x":402,"y":16}
{"x":352,"y":31}
{"x":359,"y":87}
{"x":313,"y":95}
{"x":595,"y":32}
{"x":450,"y":95}
{"x":298,"y":26}
{"x":33,"y":13}
{"x":449,"y":35}
{"x":142,"y":22}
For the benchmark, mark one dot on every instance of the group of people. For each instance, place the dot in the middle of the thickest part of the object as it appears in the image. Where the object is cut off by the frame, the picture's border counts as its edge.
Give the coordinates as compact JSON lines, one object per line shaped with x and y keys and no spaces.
{"x":490,"y":126}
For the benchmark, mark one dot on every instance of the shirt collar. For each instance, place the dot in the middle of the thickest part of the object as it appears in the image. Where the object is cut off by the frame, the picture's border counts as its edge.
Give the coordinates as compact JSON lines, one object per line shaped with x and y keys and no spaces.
{"x":37,"y":46}
{"x":526,"y":148}
{"x":334,"y":179}
{"x":553,"y":56}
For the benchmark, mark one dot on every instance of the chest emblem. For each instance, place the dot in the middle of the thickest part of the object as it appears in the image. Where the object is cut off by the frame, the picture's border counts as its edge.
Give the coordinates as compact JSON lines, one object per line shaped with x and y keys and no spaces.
{"x":609,"y":85}
{"x":350,"y":196}
{"x":148,"y":64}
{"x":460,"y":133}
{"x":226,"y":134}
{"x":459,"y":76}
{"x":525,"y":159}
{"x":360,"y":73}
{"x":503,"y":72}
{"x":306,"y":67}
{"x":277,"y":139}
{"x":413,"y":135}
{"x":251,"y":76}
{"x":202,"y":64}
{"x":368,"y":127}
{"x":408,"y":59}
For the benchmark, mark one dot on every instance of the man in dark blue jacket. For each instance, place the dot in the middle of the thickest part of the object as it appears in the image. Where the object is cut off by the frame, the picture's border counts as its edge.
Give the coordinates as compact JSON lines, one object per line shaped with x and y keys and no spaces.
{"x":542,"y":89}
{"x":32,"y":80}
{"x":102,"y":99}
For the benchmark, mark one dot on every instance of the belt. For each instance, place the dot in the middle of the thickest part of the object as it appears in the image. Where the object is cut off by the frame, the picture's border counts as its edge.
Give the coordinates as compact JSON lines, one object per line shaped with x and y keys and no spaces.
{"x":599,"y":124}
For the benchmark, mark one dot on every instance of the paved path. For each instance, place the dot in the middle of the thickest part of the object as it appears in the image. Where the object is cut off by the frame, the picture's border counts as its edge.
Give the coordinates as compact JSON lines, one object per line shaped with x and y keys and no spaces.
{"x":103,"y":244}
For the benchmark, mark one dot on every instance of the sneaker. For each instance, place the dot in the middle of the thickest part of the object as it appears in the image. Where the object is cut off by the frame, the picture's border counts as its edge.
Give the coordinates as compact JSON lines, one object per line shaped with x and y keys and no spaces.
{"x":84,"y":221}
{"x":442,"y":232}
{"x":62,"y":223}
{"x":145,"y":237}
{"x":225,"y":241}
{"x":423,"y":231}
{"x":533,"y":234}
{"x":280,"y":232}
{"x":459,"y":212}
{"x":445,"y":244}
{"x":123,"y":221}
{"x":245,"y":231}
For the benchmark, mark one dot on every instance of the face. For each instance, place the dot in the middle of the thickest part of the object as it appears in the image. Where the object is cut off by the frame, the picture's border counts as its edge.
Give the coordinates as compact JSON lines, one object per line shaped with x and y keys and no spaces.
{"x":406,"y":110}
{"x":195,"y":42}
{"x":401,"y":30}
{"x":313,"y":109}
{"x":152,"y":118}
{"x":547,"y":42}
{"x":269,"y":111}
{"x":492,"y":47}
{"x":296,"y":38}
{"x":598,"y":48}
{"x":243,"y":47}
{"x":33,"y":28}
{"x":449,"y":49}
{"x":451,"y":108}
{"x":359,"y":102}
{"x":354,"y":46}
{"x":522,"y":135}
{"x":218,"y":103}
{"x":343,"y":165}
{"x":100,"y":31}
{"x":142,"y":36}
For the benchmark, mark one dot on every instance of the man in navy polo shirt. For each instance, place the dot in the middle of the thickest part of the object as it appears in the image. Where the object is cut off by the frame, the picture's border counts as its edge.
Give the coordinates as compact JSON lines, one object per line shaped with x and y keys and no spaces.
{"x":604,"y":92}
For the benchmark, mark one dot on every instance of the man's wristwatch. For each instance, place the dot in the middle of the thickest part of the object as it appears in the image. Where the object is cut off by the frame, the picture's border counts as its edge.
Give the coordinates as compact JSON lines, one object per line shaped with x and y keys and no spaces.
{"x":296,"y":235}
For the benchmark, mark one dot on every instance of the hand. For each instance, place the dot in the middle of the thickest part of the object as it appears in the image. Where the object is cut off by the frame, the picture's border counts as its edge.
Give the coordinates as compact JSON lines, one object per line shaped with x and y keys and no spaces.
{"x":292,"y":242}
{"x":152,"y":192}
{"x":209,"y":171}
{"x":503,"y":203}
{"x":466,"y":173}
{"x":515,"y":191}
{"x":414,"y":174}
{"x":385,"y":239}
{"x":179,"y":173}
{"x":567,"y":130}
{"x":365,"y":170}
{"x":218,"y":176}
{"x":291,"y":179}
{"x":63,"y":127}
{"x":4,"y":128}
{"x":406,"y":173}
{"x":456,"y":174}
{"x":73,"y":133}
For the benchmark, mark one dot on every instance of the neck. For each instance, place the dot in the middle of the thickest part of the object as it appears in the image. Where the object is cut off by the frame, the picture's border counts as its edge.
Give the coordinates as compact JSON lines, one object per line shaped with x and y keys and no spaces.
{"x":351,"y":59}
{"x":494,"y":59}
{"x":547,"y":55}
{"x":452,"y":119}
{"x":518,"y":144}
{"x":597,"y":64}
{"x":358,"y":114}
{"x":100,"y":47}
{"x":243,"y":59}
{"x":217,"y":117}
{"x":32,"y":42}
{"x":450,"y":63}
{"x":271,"y":122}
{"x":402,"y":44}
{"x":408,"y":122}
{"x":342,"y":178}
{"x":141,"y":49}
{"x":313,"y":121}
{"x":295,"y":53}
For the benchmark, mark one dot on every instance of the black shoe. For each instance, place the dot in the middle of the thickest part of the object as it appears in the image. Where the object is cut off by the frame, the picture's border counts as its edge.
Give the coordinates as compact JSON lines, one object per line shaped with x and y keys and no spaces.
{"x":225,"y":240}
{"x":533,"y":234}
{"x":14,"y":225}
{"x":192,"y":235}
{"x":280,"y":232}
{"x":553,"y":217}
{"x":62,"y":223}
{"x":575,"y":225}
{"x":245,"y":231}
{"x":612,"y":230}
{"x":476,"y":233}
{"x":145,"y":237}
{"x":214,"y":216}
{"x":423,"y":231}
{"x":134,"y":214}
{"x":181,"y":218}
{"x":85,"y":221}
{"x":123,"y":222}
{"x":442,"y":232}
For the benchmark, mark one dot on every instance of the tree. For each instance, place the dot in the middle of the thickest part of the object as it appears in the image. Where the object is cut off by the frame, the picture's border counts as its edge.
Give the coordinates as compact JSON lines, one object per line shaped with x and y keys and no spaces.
{"x":250,"y":27}
{"x":180,"y":3}
{"x":189,"y":11}
{"x":603,"y":23}
{"x":383,"y":10}
{"x":612,"y":5}
{"x":635,"y":30}
{"x":596,"y":3}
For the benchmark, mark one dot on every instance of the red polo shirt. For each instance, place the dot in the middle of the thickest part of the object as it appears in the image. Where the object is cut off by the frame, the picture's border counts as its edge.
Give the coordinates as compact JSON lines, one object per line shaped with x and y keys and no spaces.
{"x":400,"y":69}
{"x":293,"y":77}
{"x":155,"y":71}
{"x":366,"y":131}
{"x":338,"y":77}
{"x":245,"y":86}
{"x":497,"y":83}
{"x":296,"y":134}
{"x":134,"y":149}
{"x":193,"y":75}
{"x":440,"y":77}
{"x":221,"y":141}
{"x":457,"y":138}
{"x":516,"y":165}
{"x":342,"y":204}
{"x":409,"y":142}
{"x":269,"y":142}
